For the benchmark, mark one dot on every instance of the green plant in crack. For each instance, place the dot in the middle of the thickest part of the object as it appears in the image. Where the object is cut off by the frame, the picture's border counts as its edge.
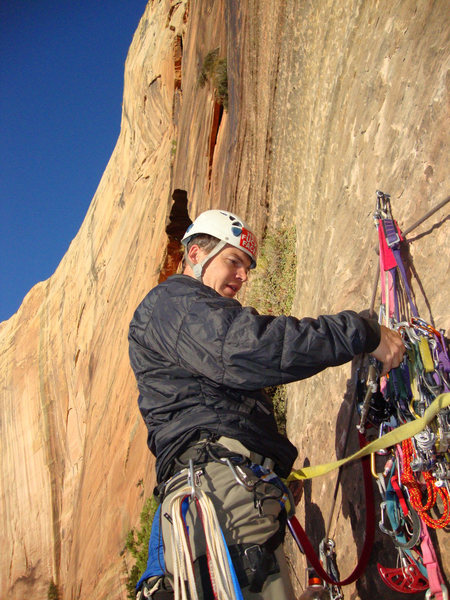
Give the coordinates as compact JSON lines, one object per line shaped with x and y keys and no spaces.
{"x":53,"y":592}
{"x":214,"y":69}
{"x":271,"y":291}
{"x":272,"y":285}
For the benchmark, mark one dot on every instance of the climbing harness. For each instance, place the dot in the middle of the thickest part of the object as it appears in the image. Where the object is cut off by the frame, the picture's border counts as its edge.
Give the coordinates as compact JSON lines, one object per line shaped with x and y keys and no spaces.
{"x":410,"y":408}
{"x":226,"y":568}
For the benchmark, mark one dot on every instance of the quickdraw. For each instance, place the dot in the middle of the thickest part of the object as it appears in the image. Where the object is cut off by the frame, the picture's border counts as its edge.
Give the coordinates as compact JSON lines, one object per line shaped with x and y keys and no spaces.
{"x":328,"y":558}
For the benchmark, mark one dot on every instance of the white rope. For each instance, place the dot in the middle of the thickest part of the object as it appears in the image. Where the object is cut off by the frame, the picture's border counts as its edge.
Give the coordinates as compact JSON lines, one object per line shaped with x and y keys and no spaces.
{"x":219,"y":567}
{"x":183,"y":572}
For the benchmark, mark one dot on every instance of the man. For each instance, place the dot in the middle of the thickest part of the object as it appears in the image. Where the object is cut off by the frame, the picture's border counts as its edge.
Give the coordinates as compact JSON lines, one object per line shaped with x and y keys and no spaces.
{"x":201,"y":361}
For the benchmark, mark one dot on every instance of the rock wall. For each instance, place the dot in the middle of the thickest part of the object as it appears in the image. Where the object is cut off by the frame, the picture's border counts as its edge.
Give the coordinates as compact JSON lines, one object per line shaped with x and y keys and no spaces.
{"x":73,"y":446}
{"x":327,"y":103}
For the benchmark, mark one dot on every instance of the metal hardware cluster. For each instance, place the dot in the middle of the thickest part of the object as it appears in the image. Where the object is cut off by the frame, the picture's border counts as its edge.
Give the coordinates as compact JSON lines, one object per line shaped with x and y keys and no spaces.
{"x":415,"y":482}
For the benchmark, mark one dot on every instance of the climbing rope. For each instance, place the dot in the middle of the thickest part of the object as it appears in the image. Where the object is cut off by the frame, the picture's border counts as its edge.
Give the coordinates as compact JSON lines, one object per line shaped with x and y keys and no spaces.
{"x":414,"y":487}
{"x":221,"y":571}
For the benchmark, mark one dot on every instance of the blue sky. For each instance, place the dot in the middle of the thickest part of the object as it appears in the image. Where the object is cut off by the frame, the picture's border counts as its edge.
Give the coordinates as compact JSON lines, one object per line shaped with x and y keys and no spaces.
{"x":61,"y":86}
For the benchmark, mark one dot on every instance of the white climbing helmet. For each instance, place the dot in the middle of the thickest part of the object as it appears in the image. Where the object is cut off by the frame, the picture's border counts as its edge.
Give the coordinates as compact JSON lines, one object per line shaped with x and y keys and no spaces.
{"x":229,"y":229}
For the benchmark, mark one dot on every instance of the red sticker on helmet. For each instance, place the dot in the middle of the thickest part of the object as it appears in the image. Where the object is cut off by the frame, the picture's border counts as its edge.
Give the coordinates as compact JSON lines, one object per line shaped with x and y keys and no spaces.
{"x":248,"y":241}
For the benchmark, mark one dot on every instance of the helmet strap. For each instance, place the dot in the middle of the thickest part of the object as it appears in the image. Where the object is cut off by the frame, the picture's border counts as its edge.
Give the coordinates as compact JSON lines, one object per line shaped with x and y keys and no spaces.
{"x":198,"y":268}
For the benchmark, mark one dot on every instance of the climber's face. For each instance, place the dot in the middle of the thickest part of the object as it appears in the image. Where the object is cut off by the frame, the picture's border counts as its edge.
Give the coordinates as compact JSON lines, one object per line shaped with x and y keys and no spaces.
{"x":226,"y":272}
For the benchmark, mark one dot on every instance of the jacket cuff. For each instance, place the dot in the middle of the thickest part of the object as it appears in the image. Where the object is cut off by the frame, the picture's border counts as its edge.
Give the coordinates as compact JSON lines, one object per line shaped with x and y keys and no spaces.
{"x":373,"y":334}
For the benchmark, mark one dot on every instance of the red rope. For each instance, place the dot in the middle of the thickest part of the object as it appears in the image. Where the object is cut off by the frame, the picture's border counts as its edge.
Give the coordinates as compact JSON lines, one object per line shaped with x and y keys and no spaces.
{"x":415,"y":490}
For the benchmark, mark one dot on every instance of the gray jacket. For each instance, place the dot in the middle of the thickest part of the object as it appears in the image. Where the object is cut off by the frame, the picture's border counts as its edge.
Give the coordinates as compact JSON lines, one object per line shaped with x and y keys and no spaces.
{"x":201,"y":361}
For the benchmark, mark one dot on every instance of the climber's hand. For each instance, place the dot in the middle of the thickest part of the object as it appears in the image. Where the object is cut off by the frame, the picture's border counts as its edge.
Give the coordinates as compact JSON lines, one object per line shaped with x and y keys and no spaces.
{"x":390,"y":350}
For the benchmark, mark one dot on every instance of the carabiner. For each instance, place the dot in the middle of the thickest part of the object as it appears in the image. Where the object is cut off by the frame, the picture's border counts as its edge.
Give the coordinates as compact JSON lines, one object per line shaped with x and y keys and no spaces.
{"x":421,"y":324}
{"x":240,"y":480}
{"x":191,"y":478}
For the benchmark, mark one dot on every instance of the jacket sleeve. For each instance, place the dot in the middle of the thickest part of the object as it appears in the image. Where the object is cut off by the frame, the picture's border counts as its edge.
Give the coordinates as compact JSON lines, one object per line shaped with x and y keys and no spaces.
{"x":239,"y":348}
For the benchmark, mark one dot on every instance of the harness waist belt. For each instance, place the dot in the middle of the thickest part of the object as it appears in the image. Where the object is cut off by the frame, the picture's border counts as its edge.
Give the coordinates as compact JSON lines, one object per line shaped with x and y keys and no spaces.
{"x":239,"y":448}
{"x":222,"y":448}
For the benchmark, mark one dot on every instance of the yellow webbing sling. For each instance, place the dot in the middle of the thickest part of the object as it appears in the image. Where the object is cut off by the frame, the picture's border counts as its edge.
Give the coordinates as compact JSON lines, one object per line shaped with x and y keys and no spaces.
{"x":389,"y":439}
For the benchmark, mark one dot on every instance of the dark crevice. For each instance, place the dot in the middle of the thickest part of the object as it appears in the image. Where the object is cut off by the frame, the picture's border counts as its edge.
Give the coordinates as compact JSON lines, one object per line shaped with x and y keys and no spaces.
{"x":216,"y":121}
{"x":177,"y":58}
{"x":179,"y":221}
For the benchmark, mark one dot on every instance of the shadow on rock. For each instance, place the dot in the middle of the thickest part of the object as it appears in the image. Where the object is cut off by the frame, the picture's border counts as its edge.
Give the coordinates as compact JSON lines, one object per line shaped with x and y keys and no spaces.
{"x":314,"y":521}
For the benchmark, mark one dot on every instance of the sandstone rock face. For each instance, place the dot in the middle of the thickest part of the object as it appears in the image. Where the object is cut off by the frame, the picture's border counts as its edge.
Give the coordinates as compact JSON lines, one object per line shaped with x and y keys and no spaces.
{"x":327,"y":102}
